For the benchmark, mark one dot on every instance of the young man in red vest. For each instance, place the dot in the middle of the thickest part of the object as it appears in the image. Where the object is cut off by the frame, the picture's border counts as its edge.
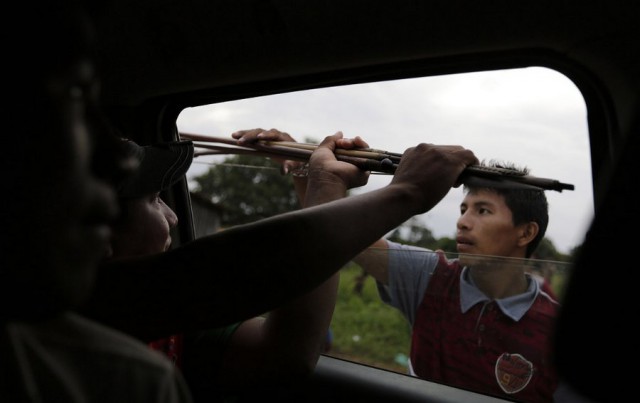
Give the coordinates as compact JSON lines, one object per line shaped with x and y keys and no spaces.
{"x":479,"y":322}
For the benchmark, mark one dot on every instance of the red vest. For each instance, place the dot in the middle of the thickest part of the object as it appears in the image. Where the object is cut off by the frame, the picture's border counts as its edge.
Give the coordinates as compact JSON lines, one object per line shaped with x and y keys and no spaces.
{"x":482,"y":349}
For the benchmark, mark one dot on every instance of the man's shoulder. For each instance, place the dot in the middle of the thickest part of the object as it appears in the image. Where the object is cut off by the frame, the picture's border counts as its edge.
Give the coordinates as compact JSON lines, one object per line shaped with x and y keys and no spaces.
{"x":71,"y":334}
{"x":77,"y":359}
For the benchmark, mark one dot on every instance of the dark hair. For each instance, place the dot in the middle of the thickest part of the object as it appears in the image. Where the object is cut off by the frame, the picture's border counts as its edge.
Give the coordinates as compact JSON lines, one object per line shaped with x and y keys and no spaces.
{"x":526,"y":204}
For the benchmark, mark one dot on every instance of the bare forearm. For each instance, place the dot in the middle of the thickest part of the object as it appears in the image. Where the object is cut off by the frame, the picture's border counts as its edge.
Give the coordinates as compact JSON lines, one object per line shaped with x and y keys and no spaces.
{"x":193,"y":286}
{"x":375,"y":261}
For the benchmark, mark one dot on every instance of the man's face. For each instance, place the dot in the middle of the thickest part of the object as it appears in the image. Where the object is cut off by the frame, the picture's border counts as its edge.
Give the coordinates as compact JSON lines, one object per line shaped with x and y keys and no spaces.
{"x":86,"y":202}
{"x":145,"y":229}
{"x":485,"y":226}
{"x":59,"y":214}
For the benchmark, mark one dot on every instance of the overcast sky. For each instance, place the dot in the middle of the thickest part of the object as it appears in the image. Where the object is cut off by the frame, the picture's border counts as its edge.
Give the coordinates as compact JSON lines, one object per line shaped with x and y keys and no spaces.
{"x":533,"y":117}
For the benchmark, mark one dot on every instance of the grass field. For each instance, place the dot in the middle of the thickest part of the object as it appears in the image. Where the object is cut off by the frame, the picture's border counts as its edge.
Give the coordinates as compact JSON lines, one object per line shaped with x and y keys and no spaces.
{"x":366,"y":330}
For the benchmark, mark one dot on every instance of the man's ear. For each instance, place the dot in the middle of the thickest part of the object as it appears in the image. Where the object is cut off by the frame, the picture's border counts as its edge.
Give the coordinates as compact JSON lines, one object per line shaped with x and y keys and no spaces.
{"x":529,"y":232}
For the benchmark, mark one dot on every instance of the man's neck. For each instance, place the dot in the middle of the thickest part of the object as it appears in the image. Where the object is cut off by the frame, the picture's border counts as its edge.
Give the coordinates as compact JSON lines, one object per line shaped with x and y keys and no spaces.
{"x":500,"y":281}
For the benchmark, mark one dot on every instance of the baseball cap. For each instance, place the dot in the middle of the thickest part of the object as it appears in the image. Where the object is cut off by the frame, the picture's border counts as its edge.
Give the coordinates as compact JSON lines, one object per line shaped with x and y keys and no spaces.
{"x":158,"y":167}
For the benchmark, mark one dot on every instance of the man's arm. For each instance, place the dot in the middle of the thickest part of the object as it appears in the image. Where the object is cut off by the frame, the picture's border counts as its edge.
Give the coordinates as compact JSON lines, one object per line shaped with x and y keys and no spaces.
{"x":286,"y":344}
{"x":375,"y":261}
{"x":242,"y":272}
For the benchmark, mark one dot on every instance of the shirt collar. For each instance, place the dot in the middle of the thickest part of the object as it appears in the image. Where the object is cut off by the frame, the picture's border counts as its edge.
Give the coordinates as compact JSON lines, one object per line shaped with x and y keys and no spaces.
{"x":514,"y":307}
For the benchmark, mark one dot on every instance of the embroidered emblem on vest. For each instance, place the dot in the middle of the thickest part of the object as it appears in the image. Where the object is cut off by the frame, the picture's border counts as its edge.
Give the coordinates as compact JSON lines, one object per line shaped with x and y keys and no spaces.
{"x":513,"y":372}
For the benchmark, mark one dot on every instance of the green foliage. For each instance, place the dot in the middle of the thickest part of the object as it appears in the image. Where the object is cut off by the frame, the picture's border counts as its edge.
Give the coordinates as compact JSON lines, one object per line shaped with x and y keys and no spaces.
{"x":573,"y":253}
{"x":413,"y":232}
{"x":247,"y":194}
{"x":547,"y":251}
{"x":446,"y":244}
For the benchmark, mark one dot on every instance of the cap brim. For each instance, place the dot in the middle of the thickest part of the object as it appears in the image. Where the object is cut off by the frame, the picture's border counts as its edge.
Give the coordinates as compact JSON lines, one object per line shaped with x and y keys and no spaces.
{"x":161,"y":166}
